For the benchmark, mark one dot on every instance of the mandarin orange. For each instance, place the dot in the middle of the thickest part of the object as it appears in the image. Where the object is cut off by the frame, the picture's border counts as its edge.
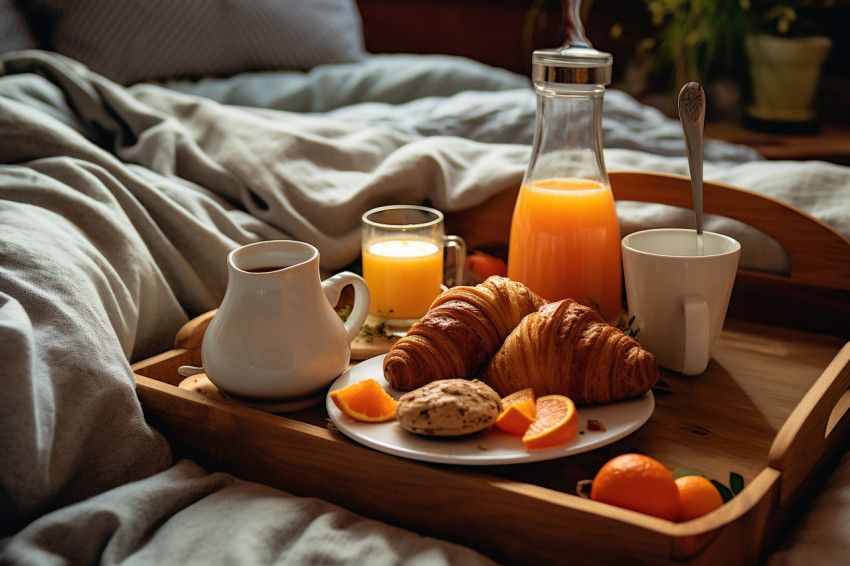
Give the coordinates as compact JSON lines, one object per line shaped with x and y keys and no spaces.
{"x":365,"y":401}
{"x":639,"y":483}
{"x":556,"y":423}
{"x":697,"y":496}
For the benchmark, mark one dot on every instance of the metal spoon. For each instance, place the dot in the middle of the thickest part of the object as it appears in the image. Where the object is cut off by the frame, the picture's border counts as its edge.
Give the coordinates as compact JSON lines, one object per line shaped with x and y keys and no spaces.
{"x":692,"y":116}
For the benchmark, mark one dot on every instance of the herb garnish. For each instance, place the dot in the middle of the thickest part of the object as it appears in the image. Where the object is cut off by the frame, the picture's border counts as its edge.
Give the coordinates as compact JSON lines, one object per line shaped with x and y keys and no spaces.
{"x":344,"y":312}
{"x":627,"y":326}
{"x":369,"y":331}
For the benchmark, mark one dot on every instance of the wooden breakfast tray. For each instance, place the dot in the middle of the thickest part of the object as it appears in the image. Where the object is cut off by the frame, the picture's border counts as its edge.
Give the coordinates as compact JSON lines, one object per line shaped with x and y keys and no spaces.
{"x":772,"y":406}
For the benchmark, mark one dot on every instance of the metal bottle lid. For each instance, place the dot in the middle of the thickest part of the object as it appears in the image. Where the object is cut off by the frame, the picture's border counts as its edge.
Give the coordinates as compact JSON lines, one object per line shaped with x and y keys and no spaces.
{"x":572,"y":64}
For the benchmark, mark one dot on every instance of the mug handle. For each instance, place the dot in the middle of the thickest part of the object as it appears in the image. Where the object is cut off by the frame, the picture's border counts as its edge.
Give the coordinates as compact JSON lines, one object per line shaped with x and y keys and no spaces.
{"x":332,"y":287}
{"x":696,"y":335}
{"x":459,"y":246}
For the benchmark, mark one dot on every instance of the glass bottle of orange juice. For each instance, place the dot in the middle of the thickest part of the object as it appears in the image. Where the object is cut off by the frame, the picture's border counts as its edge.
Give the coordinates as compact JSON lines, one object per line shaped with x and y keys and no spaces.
{"x":565,"y":236}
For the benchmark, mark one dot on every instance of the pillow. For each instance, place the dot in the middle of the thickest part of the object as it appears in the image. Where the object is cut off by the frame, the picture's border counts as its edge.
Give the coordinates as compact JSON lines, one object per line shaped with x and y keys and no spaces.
{"x":130,"y":41}
{"x":14,"y":33}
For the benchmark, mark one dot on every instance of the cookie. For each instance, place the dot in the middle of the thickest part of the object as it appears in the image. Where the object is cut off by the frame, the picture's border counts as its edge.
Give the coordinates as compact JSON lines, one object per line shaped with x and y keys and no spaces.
{"x":449,"y":407}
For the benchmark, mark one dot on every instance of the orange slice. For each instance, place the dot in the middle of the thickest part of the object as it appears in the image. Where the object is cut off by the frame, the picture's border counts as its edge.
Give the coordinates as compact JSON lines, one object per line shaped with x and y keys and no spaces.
{"x":556,"y":423}
{"x":518,"y":412}
{"x":365,"y":401}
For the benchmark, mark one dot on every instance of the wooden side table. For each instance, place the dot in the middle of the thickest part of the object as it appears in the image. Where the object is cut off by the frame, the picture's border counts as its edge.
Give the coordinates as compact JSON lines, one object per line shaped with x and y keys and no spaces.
{"x":832,"y":143}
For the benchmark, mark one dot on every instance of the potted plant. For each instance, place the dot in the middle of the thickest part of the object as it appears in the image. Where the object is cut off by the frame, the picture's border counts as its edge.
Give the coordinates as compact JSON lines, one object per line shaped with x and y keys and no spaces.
{"x":785,"y":54}
{"x":698,"y":40}
{"x":757,"y":43}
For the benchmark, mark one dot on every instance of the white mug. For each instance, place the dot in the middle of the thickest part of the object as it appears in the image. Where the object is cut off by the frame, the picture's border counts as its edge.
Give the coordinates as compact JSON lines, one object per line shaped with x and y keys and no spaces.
{"x":677,"y":297}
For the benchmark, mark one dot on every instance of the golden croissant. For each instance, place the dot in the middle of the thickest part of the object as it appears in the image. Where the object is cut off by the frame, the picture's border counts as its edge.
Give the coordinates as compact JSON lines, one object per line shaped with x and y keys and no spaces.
{"x":568,"y":349}
{"x":462,"y":330}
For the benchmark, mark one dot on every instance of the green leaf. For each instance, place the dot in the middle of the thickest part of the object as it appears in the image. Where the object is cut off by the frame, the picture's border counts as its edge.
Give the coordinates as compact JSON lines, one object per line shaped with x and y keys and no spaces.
{"x":725,"y":492}
{"x":736,"y":482}
{"x":681,"y":472}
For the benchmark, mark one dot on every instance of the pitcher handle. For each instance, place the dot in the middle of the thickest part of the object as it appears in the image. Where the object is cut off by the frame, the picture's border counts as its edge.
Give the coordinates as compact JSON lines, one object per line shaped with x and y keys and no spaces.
{"x":332,"y":287}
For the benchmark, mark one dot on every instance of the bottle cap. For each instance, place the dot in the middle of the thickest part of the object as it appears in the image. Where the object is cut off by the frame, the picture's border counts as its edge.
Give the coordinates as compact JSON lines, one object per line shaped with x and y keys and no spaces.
{"x":574,"y":64}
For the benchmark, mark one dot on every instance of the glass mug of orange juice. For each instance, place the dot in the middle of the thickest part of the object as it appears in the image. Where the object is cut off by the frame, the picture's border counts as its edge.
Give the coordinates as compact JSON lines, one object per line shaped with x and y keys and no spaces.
{"x":403,"y":248}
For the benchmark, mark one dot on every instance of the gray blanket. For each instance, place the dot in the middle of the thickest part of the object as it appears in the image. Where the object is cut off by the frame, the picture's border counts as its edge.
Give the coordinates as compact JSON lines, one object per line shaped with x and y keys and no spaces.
{"x":117,"y":208}
{"x":114,"y":225}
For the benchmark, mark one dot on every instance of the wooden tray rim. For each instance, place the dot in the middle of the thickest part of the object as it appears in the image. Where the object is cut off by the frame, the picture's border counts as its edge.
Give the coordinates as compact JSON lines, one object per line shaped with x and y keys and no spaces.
{"x":767,"y":490}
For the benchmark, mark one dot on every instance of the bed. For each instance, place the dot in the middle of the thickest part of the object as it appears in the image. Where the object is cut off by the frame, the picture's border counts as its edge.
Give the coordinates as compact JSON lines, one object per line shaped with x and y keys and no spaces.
{"x":124,"y":182}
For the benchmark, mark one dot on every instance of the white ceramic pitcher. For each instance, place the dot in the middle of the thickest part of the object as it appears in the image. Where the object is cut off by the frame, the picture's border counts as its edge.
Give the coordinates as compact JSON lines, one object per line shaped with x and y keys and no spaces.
{"x":276,"y":336}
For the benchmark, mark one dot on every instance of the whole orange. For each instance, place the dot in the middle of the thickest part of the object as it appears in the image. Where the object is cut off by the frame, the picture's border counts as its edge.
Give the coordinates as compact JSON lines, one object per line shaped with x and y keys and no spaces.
{"x":697,"y":496}
{"x":639,"y":483}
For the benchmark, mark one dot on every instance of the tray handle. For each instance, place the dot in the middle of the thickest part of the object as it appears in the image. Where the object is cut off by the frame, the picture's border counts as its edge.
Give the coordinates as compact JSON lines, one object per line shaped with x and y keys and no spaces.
{"x":191,"y":335}
{"x":803,"y":439}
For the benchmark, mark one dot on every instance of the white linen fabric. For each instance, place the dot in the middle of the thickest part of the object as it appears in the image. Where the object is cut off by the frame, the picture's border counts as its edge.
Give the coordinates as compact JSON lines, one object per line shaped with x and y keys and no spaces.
{"x":117,"y":209}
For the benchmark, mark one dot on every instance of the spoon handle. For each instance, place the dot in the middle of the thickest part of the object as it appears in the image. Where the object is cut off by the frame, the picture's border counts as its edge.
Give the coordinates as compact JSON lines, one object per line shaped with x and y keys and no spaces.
{"x":692,"y":116}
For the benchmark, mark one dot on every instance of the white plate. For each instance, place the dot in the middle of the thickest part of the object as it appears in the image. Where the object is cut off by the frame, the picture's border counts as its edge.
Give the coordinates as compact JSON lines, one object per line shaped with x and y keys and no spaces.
{"x":490,"y":447}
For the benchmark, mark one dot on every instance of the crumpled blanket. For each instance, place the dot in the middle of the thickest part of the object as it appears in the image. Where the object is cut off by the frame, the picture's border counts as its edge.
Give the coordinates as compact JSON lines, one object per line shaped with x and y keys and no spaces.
{"x":174,"y":517}
{"x":114,"y":226}
{"x":117,"y":209}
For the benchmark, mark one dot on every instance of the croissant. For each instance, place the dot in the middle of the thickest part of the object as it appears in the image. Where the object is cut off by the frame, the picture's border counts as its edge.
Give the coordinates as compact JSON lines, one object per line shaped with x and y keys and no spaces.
{"x":567,"y":348}
{"x":462,"y":330}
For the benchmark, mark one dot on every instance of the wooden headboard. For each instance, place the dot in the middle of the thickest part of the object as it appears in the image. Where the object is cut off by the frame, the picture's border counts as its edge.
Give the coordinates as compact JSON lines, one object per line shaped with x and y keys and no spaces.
{"x":502,"y":33}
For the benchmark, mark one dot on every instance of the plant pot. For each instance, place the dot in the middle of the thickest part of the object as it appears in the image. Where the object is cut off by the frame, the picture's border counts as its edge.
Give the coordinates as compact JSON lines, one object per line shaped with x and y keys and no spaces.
{"x":785,"y":74}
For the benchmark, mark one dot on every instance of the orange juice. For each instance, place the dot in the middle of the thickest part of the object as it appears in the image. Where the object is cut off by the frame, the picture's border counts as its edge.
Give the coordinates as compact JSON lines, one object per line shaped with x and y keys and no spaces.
{"x":404,"y":276}
{"x":565,"y":243}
